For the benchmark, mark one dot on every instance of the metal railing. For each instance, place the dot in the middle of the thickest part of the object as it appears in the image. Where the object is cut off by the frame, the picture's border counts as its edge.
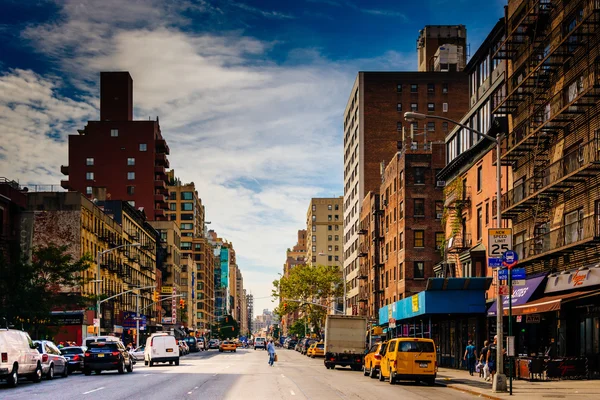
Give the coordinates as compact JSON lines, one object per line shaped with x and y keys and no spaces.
{"x":454,"y":196}
{"x":460,"y":241}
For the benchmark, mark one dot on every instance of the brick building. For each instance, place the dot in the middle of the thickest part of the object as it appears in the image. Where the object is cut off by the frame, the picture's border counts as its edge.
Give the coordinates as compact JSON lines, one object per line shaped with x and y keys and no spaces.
{"x":118,"y":158}
{"x":370,"y":239}
{"x":12,"y":201}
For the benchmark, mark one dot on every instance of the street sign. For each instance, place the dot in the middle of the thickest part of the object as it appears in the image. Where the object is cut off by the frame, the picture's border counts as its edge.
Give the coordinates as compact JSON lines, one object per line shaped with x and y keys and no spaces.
{"x":504,"y":290}
{"x":518,"y":282}
{"x":510,"y":346}
{"x":495,"y":262}
{"x":510,"y":257}
{"x":517,"y":273}
{"x":499,"y":241}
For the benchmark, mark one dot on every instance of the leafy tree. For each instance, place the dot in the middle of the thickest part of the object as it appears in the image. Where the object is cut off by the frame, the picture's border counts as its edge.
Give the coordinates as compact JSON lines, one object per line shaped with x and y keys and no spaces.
{"x":306,"y":285}
{"x":51,"y":281}
{"x":298,"y":328}
{"x":227,"y":327}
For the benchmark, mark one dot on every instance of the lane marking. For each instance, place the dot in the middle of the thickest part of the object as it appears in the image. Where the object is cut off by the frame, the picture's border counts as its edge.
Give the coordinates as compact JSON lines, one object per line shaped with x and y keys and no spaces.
{"x":92,"y":391}
{"x":147,"y":375}
{"x":189,"y":392}
{"x":292,"y":392}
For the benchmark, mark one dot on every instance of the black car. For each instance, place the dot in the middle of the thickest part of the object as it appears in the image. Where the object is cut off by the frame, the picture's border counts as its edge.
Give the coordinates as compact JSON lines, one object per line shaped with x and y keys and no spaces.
{"x":292,"y":344}
{"x":107,"y":356}
{"x":192,"y":344}
{"x":74,"y":356}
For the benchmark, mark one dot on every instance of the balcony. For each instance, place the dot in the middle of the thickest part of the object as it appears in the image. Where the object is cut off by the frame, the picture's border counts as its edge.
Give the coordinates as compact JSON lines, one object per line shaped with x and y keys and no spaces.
{"x":160,"y":184}
{"x":363,"y":250}
{"x":363,"y":295}
{"x":573,"y":168}
{"x":158,"y":212}
{"x":65,"y":184}
{"x":159,"y":169}
{"x":456,"y":197}
{"x":362,"y":230}
{"x":160,"y":198}
{"x":64,"y":169}
{"x":161,"y":205}
{"x":459,"y":243}
{"x":161,"y":159}
{"x":363,"y":271}
{"x":162,"y":146}
{"x":565,"y":239}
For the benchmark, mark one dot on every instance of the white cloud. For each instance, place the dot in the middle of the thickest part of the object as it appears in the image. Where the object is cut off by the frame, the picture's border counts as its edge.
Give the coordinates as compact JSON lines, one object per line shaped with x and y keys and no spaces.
{"x":258,"y":139}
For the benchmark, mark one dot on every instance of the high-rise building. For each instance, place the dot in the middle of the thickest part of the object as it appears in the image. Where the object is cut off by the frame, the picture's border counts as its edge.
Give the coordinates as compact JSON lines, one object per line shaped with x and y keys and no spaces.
{"x":374,"y":130}
{"x":442,"y":48}
{"x":118,"y":158}
{"x":324,"y":223}
{"x":12,"y":201}
{"x":250,"y":306}
{"x":297,"y":254}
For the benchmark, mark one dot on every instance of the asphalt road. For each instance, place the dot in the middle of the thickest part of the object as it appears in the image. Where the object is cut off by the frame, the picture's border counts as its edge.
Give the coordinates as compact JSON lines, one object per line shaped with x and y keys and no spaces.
{"x":241,"y":375}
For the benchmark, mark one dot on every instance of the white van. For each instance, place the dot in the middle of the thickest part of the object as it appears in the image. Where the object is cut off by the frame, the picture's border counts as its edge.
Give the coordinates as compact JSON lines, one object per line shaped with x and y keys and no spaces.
{"x":161,"y":347}
{"x":18,"y":357}
{"x":260,"y":342}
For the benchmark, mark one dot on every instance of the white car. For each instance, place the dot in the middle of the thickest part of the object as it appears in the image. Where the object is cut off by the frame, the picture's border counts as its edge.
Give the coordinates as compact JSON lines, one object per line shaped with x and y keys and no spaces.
{"x":18,"y":357}
{"x":161,"y":347}
{"x":138,"y":354}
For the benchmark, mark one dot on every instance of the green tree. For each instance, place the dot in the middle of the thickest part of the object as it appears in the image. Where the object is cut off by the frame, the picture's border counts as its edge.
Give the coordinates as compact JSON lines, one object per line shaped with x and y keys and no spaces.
{"x":298,"y":328}
{"x":51,"y":281}
{"x":227,"y":327}
{"x":306,"y":285}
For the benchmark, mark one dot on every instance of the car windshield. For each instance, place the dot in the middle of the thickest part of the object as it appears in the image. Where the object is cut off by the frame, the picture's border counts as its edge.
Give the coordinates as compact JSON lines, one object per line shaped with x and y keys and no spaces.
{"x":321,"y":346}
{"x":71,"y":350}
{"x":141,"y":348}
{"x":190,"y":340}
{"x":416,"y":347}
{"x":103,"y":346}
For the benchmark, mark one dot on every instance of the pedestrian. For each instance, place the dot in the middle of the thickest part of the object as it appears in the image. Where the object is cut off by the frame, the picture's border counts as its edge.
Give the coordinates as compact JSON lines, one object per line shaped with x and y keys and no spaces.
{"x":484,"y":370}
{"x":271,"y":350}
{"x":470,"y":356}
{"x":491,"y":359}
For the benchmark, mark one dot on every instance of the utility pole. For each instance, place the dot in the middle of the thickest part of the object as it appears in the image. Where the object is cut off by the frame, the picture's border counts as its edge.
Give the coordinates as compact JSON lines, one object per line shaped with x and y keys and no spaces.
{"x":137,"y":320}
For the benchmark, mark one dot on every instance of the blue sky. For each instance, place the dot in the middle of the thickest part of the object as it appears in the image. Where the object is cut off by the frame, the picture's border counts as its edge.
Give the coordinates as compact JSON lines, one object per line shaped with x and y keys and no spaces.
{"x":250,"y":94}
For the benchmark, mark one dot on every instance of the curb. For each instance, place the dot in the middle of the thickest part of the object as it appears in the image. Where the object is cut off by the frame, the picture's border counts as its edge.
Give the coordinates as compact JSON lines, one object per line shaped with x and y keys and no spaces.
{"x":473,"y":392}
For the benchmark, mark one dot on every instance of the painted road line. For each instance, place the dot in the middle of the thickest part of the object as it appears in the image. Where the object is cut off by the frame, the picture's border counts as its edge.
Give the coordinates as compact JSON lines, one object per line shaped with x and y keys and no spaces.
{"x":92,"y":391}
{"x":292,"y":392}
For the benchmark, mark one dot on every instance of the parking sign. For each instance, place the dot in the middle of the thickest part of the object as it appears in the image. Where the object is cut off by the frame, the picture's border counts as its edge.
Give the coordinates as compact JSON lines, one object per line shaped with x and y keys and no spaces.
{"x":500,"y":241}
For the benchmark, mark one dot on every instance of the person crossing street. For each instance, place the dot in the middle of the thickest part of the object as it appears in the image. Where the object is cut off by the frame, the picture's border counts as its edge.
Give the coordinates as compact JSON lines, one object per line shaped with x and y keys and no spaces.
{"x":271,"y":351}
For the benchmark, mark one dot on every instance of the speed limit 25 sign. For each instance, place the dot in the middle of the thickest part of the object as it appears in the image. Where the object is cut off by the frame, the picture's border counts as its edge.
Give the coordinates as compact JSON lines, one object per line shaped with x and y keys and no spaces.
{"x":500,"y":240}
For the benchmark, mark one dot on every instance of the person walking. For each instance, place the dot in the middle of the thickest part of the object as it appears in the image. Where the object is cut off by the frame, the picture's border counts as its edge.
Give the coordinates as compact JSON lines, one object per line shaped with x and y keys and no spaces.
{"x":491,"y":359}
{"x":271,"y":350}
{"x":484,"y":370}
{"x":470,"y":357}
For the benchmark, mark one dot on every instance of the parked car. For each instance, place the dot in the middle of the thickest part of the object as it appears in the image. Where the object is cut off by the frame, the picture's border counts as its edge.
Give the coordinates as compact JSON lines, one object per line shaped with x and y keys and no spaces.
{"x":18,"y":357}
{"x":108,"y":338}
{"x":213,"y":344}
{"x":201,"y":343}
{"x":227,"y":345}
{"x":305,"y":344}
{"x":292,"y":344}
{"x":372,"y":360}
{"x":53,"y":362}
{"x":409,"y":359}
{"x":260,"y":343}
{"x":316,"y":349}
{"x":192,"y":344}
{"x":138,"y":354}
{"x":74,"y":356}
{"x":107,"y":356}
{"x":183,"y":348}
{"x":161,"y":347}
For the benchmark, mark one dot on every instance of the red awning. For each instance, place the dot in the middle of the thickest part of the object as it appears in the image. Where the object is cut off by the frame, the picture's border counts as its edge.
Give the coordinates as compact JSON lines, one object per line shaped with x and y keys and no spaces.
{"x":549,"y":303}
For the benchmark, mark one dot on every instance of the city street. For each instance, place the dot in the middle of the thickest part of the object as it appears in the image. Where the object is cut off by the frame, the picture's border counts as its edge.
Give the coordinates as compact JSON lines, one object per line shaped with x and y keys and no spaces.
{"x":241,"y":375}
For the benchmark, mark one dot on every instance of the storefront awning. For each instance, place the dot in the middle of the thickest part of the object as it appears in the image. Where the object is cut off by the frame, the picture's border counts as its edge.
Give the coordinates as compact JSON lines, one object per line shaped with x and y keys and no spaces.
{"x":521,"y":294}
{"x":548,"y":303}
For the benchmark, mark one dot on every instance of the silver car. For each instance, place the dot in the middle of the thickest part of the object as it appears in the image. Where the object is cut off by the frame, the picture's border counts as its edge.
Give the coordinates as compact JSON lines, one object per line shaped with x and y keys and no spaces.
{"x":53,"y":362}
{"x":138,"y":354}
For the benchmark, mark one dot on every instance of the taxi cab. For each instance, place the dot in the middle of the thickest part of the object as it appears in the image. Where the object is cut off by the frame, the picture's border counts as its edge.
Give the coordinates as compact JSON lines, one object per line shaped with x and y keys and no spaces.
{"x":316,"y":350}
{"x":227,"y":345}
{"x":372,"y":359}
{"x":409,"y":359}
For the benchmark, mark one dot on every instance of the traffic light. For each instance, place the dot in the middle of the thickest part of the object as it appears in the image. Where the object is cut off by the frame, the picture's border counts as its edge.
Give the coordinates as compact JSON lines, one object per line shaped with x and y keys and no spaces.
{"x":226,"y":319}
{"x":182,"y":304}
{"x":232,"y":329}
{"x":155,"y":296}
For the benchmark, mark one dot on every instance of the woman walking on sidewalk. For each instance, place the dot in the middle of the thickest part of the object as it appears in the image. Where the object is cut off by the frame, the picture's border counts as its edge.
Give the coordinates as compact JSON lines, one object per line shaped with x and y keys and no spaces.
{"x":470,"y":357}
{"x":271,"y":350}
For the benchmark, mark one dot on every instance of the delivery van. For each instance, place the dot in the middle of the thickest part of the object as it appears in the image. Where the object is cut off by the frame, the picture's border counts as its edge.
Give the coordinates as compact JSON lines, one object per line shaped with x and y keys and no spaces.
{"x":161,"y":348}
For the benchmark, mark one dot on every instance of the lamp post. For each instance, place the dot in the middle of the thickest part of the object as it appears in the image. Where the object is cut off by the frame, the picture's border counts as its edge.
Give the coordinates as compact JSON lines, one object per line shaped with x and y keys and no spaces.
{"x":99,"y":279}
{"x":344,"y":275}
{"x":499,"y":384}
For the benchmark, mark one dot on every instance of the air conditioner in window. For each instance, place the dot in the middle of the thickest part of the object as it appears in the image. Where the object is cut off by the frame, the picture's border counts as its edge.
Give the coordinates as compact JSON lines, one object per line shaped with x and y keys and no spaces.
{"x":439,"y":215}
{"x":440,"y":184}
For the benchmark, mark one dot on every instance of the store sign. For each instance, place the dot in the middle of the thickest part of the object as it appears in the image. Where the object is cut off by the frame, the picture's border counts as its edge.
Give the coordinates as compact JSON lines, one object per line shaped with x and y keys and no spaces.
{"x":166,"y":320}
{"x":174,"y":306}
{"x":415,"y":303}
{"x":573,"y":280}
{"x":533,"y":319}
{"x":166,"y":290}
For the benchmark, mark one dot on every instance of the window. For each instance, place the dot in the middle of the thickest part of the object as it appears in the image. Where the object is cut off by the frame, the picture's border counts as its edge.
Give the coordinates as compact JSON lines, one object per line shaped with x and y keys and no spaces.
{"x":479,"y":178}
{"x":314,"y":258}
{"x":173,"y":206}
{"x":337,"y":238}
{"x":88,"y":190}
{"x":574,"y":226}
{"x":114,"y":132}
{"x":399,"y":107}
{"x":89,"y":161}
{"x":337,"y":227}
{"x":314,"y":228}
{"x":186,"y":245}
{"x":187,"y":196}
{"x":329,"y":218}
{"x":131,"y":161}
{"x":419,"y":272}
{"x":419,"y":238}
{"x":336,"y":217}
{"x":401,"y":210}
{"x":314,"y":217}
{"x":430,"y":106}
{"x":445,"y":126}
{"x":329,"y":238}
{"x":329,"y":206}
{"x":431,"y":88}
{"x":172,"y":217}
{"x":400,"y":271}
{"x":337,"y":248}
{"x":314,"y":248}
{"x":398,"y":126}
{"x":414,"y":126}
{"x":431,"y":126}
{"x":414,"y":88}
{"x":444,"y":88}
{"x":419,"y":175}
{"x":186,"y":226}
{"x":173,"y":196}
{"x":329,"y":227}
{"x":439,"y":240}
{"x":131,"y":190}
{"x":445,"y":107}
{"x":314,"y":238}
{"x":414,"y":107}
{"x":143,"y":147}
{"x":337,"y":207}
{"x":314,"y":207}
{"x":487,"y":213}
{"x":187,"y":206}
{"x":329,"y":248}
{"x":131,"y":176}
{"x":89,"y":176}
{"x":479,"y":223}
{"x":399,"y":88}
{"x":187,"y":217}
{"x":419,"y":205}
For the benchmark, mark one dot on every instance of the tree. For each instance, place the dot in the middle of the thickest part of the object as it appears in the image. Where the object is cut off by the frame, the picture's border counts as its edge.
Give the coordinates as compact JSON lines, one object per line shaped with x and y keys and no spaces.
{"x":298,"y":328}
{"x":227,"y":327}
{"x":306,"y":285}
{"x":52,"y":281}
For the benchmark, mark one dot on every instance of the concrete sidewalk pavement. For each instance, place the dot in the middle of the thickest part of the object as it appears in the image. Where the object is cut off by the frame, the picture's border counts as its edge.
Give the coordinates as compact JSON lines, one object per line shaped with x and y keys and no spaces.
{"x":572,"y":389}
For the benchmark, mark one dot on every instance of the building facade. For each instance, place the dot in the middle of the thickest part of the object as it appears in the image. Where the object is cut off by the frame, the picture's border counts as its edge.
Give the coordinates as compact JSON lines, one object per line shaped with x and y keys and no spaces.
{"x":442,"y":48}
{"x":118,"y":158}
{"x":324,"y":227}
{"x":13,"y":200}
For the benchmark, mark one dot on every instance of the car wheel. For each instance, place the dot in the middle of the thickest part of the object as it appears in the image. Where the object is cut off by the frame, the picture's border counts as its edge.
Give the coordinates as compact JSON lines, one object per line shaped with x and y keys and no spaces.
{"x":170,"y":362}
{"x":234,"y":351}
{"x":13,"y":379}
{"x":381,"y":378}
{"x":50,"y":374}
{"x":121,"y":367}
{"x":430,"y":381}
{"x":392,"y":379}
{"x":65,"y":372}
{"x":130,"y":367}
{"x":37,"y":374}
{"x":87,"y":372}
{"x":365,"y":371}
{"x":372,"y":373}
{"x":177,"y":362}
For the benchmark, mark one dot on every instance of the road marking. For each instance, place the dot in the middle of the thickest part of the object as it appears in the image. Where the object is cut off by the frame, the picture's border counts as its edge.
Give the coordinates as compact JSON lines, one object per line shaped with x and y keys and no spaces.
{"x":147,"y":375}
{"x":196,"y":388}
{"x":92,"y":391}
{"x":292,"y":392}
{"x":189,"y":392}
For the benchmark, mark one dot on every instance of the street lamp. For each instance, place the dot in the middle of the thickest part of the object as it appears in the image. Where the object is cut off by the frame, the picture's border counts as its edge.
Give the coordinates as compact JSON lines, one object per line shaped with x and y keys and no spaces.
{"x":499,"y":383}
{"x":98,"y":279}
{"x":344,"y":275}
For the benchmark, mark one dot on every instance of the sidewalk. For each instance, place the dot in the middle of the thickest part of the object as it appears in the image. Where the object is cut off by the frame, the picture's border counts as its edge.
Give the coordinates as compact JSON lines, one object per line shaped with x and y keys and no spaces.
{"x":568,"y":389}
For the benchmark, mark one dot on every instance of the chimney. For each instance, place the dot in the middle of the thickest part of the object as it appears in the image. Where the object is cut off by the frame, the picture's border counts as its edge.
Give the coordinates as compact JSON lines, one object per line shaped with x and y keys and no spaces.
{"x":116,"y":96}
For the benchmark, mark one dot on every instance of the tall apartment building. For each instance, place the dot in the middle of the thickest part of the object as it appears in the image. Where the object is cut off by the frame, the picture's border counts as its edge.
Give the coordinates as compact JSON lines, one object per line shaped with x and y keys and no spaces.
{"x":295,"y":256}
{"x":324,"y":226}
{"x":370,"y":240}
{"x":373,"y":132}
{"x":553,"y":53}
{"x":250,"y":305}
{"x":224,"y":275}
{"x":12,"y":201}
{"x":442,"y":48}
{"x":118,"y":158}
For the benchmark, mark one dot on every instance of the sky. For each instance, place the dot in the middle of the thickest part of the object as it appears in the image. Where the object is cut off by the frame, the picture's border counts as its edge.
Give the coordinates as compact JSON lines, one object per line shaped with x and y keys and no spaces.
{"x":250,"y":95}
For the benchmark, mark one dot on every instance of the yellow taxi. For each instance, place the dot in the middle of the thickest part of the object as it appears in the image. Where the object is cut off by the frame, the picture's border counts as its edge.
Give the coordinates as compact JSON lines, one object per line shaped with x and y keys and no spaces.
{"x":316,"y":350}
{"x":227,"y":345}
{"x":372,"y":359}
{"x":409,"y":359}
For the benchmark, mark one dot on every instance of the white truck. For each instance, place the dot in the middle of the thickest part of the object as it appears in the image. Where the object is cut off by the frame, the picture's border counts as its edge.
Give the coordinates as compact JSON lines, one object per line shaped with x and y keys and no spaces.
{"x":345,"y":341}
